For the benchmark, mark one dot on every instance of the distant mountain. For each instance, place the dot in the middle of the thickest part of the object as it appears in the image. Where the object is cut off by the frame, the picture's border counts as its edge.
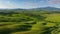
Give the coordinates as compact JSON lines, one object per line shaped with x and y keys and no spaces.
{"x":35,"y":9}
{"x":47,"y":8}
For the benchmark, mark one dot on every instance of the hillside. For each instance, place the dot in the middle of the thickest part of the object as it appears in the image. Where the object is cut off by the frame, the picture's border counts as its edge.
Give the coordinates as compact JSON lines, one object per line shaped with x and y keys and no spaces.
{"x":29,"y":22}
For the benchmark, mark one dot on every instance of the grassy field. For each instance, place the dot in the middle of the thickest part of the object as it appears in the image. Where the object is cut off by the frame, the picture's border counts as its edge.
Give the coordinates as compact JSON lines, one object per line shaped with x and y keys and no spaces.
{"x":30,"y":23}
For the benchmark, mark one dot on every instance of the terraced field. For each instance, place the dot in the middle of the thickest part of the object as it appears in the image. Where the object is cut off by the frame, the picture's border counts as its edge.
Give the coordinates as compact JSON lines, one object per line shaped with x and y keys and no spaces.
{"x":30,"y":23}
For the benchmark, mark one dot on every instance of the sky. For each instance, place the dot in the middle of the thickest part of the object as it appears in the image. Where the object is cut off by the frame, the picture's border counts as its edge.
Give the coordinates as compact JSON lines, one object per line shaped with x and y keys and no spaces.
{"x":28,"y":4}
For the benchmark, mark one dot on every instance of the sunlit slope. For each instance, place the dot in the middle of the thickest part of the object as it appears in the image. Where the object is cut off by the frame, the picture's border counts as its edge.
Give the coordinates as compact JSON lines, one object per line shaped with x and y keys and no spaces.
{"x":53,"y":17}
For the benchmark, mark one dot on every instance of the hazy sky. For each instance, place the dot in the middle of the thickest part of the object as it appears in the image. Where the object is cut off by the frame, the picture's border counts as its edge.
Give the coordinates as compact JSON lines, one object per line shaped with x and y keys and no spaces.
{"x":26,"y":4}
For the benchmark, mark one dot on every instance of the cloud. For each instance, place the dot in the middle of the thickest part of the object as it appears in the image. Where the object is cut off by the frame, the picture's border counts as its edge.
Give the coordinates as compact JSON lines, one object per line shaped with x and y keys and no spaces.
{"x":7,"y":4}
{"x":54,"y":1}
{"x":22,"y":3}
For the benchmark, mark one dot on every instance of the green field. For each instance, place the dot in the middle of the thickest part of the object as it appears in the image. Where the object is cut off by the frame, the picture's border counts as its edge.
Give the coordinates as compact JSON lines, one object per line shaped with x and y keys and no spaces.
{"x":29,"y":23}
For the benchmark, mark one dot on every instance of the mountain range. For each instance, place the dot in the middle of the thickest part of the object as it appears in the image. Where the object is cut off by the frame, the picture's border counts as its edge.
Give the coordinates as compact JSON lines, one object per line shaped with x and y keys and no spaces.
{"x":48,"y":8}
{"x":42,"y":8}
